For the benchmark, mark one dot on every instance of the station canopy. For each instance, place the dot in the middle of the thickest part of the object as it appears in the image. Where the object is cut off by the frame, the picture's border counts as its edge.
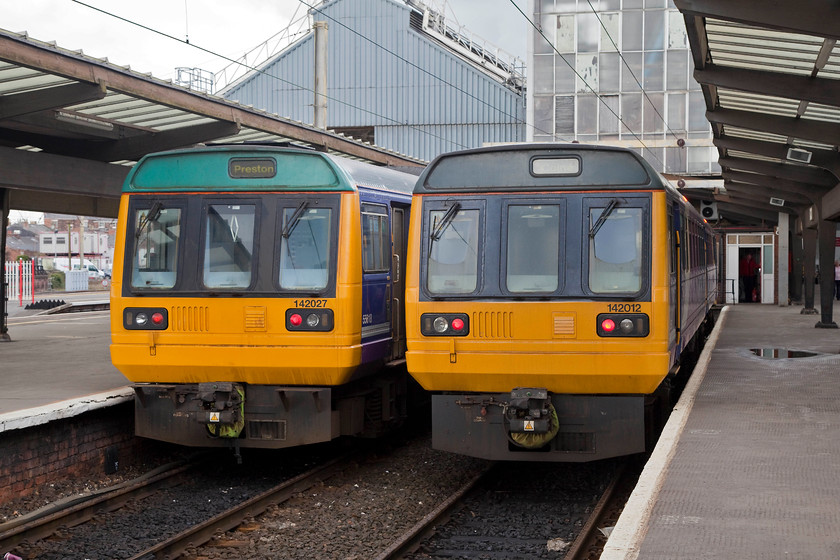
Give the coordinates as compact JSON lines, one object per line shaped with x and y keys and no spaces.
{"x":71,"y":126}
{"x":770,"y":75}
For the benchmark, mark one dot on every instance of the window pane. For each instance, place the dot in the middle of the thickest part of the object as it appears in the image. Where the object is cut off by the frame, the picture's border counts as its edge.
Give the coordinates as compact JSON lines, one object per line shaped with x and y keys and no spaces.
{"x":376,"y":239}
{"x":697,"y":112}
{"x":565,"y":40}
{"x":305,"y":249}
{"x":677,"y":37}
{"x":453,"y":259}
{"x":564,"y":114}
{"x":631,"y":113}
{"x":615,"y":252}
{"x":588,"y":32}
{"x":229,"y":245}
{"x":676,"y":112}
{"x":608,"y":122}
{"x":587,"y":114}
{"x":631,"y":73}
{"x":677,"y":70}
{"x":155,"y":260}
{"x":543,"y":74}
{"x":654,"y":66}
{"x":654,"y":113}
{"x":609,"y":72}
{"x":609,"y":32}
{"x":587,"y":72}
{"x":544,"y":112}
{"x":533,"y":248}
{"x":564,"y":76}
{"x":631,"y":31}
{"x":655,"y":30}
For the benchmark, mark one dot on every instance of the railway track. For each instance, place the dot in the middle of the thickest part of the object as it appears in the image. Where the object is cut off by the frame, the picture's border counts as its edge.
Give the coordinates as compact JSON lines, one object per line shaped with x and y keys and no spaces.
{"x":133,"y":514}
{"x":495,"y":515}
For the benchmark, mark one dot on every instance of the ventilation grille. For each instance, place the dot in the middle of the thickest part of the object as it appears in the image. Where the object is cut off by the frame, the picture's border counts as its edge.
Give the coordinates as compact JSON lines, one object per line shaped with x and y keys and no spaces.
{"x":255,"y":319}
{"x":564,"y":325}
{"x":189,"y":319}
{"x":492,"y":324}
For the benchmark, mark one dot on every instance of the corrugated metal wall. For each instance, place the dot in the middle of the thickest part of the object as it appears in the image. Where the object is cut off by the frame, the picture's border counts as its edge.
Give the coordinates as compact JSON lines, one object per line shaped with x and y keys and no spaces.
{"x":452,"y":105}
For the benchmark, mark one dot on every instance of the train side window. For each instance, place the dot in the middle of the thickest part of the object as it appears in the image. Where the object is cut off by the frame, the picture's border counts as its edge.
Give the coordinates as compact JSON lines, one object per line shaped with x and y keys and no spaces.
{"x":615,"y":251}
{"x":533,"y":252}
{"x":305,"y":248}
{"x":453,"y":255}
{"x":229,"y":245}
{"x":155,"y":260}
{"x":376,"y":238}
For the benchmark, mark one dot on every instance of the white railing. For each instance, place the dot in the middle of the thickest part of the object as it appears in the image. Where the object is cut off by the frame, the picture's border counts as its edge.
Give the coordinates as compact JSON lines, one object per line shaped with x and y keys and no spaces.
{"x":20,"y":281}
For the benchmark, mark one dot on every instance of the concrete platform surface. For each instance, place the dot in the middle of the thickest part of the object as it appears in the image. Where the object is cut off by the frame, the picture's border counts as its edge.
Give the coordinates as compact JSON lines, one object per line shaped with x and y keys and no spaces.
{"x":749,"y":464}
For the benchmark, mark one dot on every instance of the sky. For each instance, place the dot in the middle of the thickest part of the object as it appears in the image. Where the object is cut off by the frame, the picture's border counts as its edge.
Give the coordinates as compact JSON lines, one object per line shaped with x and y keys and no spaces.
{"x":229,"y":28}
{"x":219,"y":31}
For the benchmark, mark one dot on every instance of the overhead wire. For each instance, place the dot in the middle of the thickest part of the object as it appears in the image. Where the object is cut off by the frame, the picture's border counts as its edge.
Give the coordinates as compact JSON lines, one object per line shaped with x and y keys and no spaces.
{"x":627,"y":64}
{"x":416,"y":66}
{"x":259,"y":71}
{"x":585,"y":83}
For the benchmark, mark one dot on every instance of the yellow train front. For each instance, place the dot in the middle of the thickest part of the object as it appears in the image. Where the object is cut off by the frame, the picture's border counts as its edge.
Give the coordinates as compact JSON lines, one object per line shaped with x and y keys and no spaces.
{"x":551,"y":290}
{"x":256,"y":296}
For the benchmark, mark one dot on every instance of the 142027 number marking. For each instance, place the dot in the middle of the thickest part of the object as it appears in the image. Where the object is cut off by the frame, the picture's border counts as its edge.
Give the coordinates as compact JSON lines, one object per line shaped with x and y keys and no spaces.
{"x":625,"y":308}
{"x":310,"y":303}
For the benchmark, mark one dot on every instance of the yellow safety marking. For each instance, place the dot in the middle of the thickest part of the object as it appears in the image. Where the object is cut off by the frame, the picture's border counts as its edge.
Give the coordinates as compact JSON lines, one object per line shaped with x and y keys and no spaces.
{"x":214,"y":416}
{"x":529,"y":426}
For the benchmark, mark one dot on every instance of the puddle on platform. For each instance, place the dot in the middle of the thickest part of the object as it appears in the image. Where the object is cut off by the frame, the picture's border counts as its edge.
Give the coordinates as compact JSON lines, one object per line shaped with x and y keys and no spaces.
{"x":780,"y":353}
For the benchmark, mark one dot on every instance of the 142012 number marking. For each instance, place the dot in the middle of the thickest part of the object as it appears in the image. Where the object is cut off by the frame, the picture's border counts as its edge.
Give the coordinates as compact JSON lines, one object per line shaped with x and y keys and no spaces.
{"x":625,"y":308}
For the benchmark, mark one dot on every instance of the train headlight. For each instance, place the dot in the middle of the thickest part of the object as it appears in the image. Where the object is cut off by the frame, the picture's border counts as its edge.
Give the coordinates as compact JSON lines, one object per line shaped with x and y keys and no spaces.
{"x":613,"y":325}
{"x":444,"y":324}
{"x":145,"y":318}
{"x":320,"y":320}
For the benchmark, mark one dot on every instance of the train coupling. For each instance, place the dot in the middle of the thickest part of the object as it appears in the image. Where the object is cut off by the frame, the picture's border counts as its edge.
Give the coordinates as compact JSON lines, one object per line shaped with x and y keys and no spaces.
{"x":223,"y":404}
{"x":529,"y":411}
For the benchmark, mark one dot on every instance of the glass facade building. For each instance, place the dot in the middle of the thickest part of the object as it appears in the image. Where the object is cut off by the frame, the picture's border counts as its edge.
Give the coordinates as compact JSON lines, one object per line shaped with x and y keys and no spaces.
{"x":618,"y":72}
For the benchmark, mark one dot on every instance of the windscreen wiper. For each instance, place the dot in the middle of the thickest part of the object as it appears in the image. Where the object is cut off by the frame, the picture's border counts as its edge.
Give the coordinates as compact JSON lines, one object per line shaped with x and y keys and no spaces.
{"x":151,"y":216}
{"x":448,"y":217}
{"x":603,"y":217}
{"x":293,"y":221}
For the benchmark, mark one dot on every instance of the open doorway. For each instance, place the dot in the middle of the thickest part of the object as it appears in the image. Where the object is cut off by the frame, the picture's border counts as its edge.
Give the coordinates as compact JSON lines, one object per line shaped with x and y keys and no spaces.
{"x":749,"y":275}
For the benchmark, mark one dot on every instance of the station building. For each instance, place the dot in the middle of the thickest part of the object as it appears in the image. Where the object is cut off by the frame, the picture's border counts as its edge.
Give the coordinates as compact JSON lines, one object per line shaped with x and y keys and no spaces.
{"x":398,"y":75}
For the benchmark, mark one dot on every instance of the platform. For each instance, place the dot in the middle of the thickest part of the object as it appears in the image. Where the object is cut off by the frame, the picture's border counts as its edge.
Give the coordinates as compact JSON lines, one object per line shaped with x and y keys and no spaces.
{"x":749,"y":463}
{"x":57,"y":365}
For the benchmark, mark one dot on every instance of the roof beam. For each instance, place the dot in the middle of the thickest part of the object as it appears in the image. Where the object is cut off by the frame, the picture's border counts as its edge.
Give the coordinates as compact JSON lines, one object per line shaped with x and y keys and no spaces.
{"x":802,"y":189}
{"x":765,"y":193}
{"x":728,"y":206}
{"x":827,"y":159}
{"x":817,"y":90}
{"x":20,"y":104}
{"x":806,"y":129}
{"x":811,"y":17}
{"x":792,"y":172}
{"x":754,"y":203}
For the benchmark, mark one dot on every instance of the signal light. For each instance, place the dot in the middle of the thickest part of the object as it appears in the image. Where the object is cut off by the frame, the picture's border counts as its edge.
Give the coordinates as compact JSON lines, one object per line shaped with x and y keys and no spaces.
{"x":309,"y":320}
{"x":444,"y":324}
{"x":145,"y":318}
{"x":617,"y":325}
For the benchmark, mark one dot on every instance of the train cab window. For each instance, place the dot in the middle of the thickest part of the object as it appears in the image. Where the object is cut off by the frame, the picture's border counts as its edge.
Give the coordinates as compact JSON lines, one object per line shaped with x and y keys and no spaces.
{"x":453,"y":253}
{"x":533,"y":238}
{"x":376,"y":238}
{"x":229,"y":245}
{"x":305,"y":248}
{"x":157,"y":231}
{"x":615,"y":249}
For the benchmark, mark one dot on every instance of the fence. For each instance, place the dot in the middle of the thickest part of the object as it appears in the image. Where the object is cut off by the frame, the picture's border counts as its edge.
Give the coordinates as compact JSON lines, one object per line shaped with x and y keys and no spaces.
{"x":20,"y":281}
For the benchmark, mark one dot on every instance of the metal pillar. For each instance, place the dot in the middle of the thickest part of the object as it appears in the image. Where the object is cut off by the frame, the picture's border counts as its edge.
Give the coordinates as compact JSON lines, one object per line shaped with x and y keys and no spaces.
{"x":320,"y":120}
{"x":827,"y":234}
{"x":809,"y":242}
{"x":796,"y":273}
{"x":782,"y":276}
{"x":4,"y":214}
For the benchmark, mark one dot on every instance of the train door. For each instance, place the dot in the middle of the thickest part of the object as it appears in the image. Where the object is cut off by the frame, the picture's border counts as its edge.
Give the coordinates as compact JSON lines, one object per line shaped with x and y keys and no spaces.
{"x":376,"y":277}
{"x":675,"y":276}
{"x":398,"y":243}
